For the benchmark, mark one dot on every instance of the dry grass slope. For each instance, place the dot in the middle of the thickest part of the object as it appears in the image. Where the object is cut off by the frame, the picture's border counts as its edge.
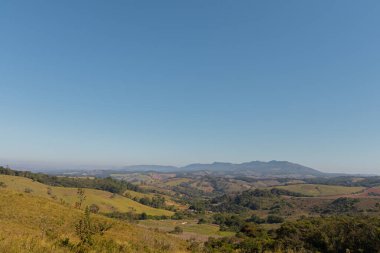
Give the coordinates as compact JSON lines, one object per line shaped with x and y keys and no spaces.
{"x":38,"y":225}
{"x":105,"y":200}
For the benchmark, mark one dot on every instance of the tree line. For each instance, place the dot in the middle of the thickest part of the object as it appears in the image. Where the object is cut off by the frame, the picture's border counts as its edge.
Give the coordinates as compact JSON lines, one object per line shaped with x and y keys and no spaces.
{"x":106,"y":184}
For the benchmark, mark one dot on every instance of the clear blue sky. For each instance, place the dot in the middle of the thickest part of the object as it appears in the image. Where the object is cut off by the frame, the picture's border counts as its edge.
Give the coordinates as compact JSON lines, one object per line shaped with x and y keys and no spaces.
{"x":176,"y":82}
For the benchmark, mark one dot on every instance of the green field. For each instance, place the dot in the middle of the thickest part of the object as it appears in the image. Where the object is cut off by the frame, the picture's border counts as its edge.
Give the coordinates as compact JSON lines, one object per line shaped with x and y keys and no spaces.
{"x":190,"y":228}
{"x":106,"y":201}
{"x":134,"y":194}
{"x":133,"y":177}
{"x":318,"y":190}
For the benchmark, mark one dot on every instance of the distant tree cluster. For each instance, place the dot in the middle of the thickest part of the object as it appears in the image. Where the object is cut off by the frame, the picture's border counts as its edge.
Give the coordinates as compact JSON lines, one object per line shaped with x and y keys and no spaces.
{"x":233,"y":222}
{"x":132,"y":216}
{"x":250,"y":199}
{"x":156,"y":201}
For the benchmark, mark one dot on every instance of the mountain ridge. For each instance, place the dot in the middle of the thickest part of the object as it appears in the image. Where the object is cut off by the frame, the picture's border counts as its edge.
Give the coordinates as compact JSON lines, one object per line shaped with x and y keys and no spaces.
{"x":253,"y":168}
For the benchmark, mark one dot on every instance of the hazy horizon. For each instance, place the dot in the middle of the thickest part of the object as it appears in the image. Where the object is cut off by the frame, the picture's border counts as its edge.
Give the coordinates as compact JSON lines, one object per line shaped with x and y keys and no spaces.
{"x":97,"y":83}
{"x":46,"y":166}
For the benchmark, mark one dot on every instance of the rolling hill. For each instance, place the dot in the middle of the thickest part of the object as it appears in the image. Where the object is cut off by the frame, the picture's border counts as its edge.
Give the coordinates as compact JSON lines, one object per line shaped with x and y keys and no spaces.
{"x":106,"y":201}
{"x":36,"y":224}
{"x":258,"y":169}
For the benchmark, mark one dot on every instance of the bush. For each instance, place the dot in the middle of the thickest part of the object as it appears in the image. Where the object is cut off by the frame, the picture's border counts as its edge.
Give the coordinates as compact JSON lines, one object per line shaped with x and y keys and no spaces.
{"x":128,"y":216}
{"x":86,"y":228}
{"x":143,"y":216}
{"x":178,"y":216}
{"x":256,"y":219}
{"x":177,"y":230}
{"x":94,"y":208}
{"x":228,"y":222}
{"x":342,"y":205}
{"x":274,"y":219}
{"x":202,"y":221}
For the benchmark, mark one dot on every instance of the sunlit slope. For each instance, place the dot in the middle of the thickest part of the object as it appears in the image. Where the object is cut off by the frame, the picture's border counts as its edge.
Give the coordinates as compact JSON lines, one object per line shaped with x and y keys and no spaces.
{"x":106,"y":201}
{"x":35,"y":224}
{"x":318,"y":190}
{"x":168,"y":200}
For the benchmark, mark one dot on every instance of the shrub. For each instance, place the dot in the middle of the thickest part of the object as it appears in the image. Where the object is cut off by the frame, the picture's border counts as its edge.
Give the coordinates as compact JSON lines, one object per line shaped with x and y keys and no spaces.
{"x":94,"y":208}
{"x":202,"y":221}
{"x":81,"y":198}
{"x":256,"y":219}
{"x":178,"y":216}
{"x":274,"y":219}
{"x":86,"y":228}
{"x":143,"y":216}
{"x":128,"y":216}
{"x":177,"y":230}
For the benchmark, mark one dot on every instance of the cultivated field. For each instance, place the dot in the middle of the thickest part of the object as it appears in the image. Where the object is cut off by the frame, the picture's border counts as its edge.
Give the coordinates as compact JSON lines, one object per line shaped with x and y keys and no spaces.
{"x":317,"y":190}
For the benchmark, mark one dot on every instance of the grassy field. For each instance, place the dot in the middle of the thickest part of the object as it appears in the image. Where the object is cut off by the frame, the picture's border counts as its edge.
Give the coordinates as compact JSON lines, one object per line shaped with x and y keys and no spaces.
{"x":133,"y":177}
{"x":106,"y":201}
{"x":36,"y":224}
{"x":134,"y":194}
{"x":148,"y":177}
{"x":317,"y":190}
{"x":190,"y":228}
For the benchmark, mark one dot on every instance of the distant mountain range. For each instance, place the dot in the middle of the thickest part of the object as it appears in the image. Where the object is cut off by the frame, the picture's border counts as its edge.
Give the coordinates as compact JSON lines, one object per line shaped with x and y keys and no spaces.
{"x":254,"y":168}
{"x":258,"y":169}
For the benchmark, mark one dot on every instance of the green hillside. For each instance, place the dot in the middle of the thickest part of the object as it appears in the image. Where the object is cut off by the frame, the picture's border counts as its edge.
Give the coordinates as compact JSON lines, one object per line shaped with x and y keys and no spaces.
{"x":168,"y":200}
{"x":106,"y":201}
{"x":318,"y":190}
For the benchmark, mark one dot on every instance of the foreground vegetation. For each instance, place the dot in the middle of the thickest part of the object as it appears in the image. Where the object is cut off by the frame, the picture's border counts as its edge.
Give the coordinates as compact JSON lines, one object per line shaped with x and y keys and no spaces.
{"x":34,"y":224}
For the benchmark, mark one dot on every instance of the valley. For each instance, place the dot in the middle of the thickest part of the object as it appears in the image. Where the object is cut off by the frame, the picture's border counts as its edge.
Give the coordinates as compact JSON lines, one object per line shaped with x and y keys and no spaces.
{"x":192,"y":209}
